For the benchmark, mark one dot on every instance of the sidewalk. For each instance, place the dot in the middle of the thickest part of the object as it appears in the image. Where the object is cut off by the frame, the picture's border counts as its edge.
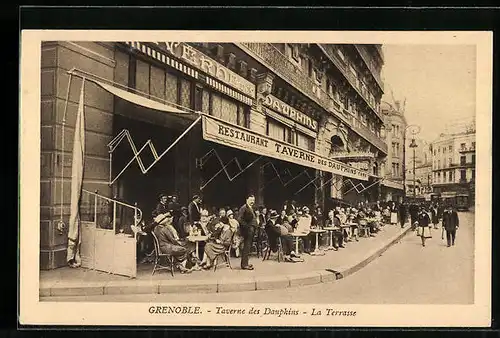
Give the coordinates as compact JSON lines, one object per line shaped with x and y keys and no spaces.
{"x":267,"y":275}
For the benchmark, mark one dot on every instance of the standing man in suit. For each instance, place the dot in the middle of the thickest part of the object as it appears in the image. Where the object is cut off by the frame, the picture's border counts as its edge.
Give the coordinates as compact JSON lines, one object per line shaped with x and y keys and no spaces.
{"x":248,"y":225}
{"x":450,"y":224}
{"x":402,"y":214}
{"x":194,"y":210}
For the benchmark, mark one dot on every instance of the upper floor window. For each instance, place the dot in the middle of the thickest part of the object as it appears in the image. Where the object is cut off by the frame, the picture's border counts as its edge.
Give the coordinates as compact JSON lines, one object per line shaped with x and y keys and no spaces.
{"x":473,"y":145}
{"x":450,"y":148}
{"x":292,"y":52}
{"x":462,"y":160}
{"x":462,"y":146}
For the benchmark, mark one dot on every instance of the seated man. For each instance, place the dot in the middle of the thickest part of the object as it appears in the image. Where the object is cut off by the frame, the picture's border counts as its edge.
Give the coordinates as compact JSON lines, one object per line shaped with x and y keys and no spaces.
{"x":183,"y":252}
{"x":338,"y":235}
{"x":276,"y":230}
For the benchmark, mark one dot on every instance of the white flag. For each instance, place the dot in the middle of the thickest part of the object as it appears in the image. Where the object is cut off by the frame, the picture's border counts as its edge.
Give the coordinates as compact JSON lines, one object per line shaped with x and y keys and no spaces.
{"x":74,"y":228}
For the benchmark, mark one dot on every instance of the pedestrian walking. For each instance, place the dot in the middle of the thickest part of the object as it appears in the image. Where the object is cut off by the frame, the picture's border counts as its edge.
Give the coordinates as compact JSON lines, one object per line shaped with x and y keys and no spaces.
{"x":423,"y":221}
{"x":402,"y":214}
{"x":434,"y":216}
{"x":248,"y":225}
{"x":450,"y":224}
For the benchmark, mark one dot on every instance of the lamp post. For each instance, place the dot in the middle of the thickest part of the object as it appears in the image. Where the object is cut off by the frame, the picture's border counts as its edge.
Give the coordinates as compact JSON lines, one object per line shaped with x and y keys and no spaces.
{"x":414,"y":130}
{"x":414,"y":145}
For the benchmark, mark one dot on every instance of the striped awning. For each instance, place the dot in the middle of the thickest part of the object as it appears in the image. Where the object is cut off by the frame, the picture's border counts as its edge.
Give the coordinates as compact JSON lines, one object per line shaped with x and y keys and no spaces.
{"x":228,"y":91}
{"x":163,"y":58}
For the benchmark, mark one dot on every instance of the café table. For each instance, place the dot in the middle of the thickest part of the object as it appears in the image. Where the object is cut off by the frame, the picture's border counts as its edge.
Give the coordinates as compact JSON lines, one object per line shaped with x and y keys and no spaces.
{"x":330,"y":230}
{"x":196,"y":239}
{"x":317,"y":251}
{"x":297,"y":235}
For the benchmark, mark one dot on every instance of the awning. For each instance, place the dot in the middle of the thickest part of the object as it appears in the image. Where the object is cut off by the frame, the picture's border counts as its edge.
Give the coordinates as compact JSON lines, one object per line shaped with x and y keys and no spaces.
{"x":139,"y":100}
{"x":221,"y":132}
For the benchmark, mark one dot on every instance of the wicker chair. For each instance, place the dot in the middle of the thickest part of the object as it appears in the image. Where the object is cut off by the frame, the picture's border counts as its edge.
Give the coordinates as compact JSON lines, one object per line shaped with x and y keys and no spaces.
{"x":364,"y":228}
{"x":158,"y":255}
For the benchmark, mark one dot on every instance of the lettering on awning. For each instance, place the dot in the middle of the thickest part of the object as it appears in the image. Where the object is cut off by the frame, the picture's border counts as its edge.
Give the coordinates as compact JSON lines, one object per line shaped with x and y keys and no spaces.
{"x":236,"y":137}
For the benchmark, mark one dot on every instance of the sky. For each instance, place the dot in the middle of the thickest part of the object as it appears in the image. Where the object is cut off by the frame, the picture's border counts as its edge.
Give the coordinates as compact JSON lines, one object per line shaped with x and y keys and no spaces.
{"x":438,"y":82}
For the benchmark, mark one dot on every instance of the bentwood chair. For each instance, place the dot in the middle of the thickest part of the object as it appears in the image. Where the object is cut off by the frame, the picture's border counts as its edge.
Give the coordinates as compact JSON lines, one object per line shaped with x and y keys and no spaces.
{"x":267,"y":253}
{"x":226,"y":254}
{"x":158,"y":256}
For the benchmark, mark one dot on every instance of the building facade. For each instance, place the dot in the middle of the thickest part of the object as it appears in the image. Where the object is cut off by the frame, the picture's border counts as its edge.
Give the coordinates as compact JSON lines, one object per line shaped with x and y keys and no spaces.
{"x":283,"y":121}
{"x":418,"y":168}
{"x":395,"y":126}
{"x":454,"y":163}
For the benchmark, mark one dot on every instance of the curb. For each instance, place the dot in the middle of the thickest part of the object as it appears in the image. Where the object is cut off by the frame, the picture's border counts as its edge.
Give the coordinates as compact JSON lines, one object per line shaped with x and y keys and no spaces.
{"x":211,"y":286}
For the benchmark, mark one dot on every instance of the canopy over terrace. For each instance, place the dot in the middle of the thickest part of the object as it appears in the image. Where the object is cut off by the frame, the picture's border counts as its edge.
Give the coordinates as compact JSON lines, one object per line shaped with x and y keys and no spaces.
{"x":222,"y":132}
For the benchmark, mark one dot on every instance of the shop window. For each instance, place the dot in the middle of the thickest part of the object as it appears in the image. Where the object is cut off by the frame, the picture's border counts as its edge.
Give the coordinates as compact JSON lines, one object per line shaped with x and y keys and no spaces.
{"x":185,"y":94}
{"x":206,"y":102}
{"x":171,"y":88}
{"x":224,"y":109}
{"x":305,"y":142}
{"x":142,"y":77}
{"x":473,"y":174}
{"x":242,"y":116}
{"x":275,"y":130}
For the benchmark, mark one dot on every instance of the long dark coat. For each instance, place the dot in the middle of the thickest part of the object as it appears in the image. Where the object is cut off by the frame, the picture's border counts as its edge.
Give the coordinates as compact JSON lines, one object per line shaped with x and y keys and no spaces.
{"x":450,"y":220}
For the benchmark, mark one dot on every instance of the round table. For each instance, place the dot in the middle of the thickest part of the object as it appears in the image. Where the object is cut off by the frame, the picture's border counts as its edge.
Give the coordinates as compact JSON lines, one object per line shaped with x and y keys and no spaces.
{"x":330,"y":230}
{"x":317,"y":251}
{"x":197,"y":239}
{"x":297,"y":235}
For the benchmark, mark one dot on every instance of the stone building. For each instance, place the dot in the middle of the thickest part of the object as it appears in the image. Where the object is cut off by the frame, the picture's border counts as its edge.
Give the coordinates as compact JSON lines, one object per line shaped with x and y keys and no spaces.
{"x":283,"y":121}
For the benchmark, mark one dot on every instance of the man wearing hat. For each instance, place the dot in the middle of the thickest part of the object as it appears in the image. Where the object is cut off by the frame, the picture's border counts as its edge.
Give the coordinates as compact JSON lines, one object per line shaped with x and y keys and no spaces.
{"x":183,"y":224}
{"x":248,"y":225}
{"x":450,"y":224}
{"x":276,"y":230}
{"x":161,"y":208}
{"x":194,"y":210}
{"x":175,"y":208}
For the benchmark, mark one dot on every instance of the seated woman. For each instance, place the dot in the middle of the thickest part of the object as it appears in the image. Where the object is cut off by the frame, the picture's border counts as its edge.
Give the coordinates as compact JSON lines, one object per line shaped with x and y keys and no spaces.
{"x":219,"y":241}
{"x":183,"y":252}
{"x":235,"y":228}
{"x":354,"y":221}
{"x":338,"y":235}
{"x":275,"y":229}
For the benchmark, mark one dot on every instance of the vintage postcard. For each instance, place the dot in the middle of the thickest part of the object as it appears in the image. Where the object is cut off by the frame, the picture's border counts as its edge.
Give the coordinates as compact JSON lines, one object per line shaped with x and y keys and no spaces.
{"x":241,"y":178}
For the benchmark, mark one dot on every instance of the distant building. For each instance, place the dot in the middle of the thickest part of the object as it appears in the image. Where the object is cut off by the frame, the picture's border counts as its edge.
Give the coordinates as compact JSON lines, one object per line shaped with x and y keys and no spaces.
{"x":395,"y":125}
{"x":454,"y":163}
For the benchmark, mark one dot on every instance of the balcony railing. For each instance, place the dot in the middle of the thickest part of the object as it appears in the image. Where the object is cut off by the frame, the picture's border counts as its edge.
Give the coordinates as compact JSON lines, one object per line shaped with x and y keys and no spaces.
{"x":274,"y":59}
{"x":327,"y":50}
{"x":467,"y":150}
{"x":367,"y":59}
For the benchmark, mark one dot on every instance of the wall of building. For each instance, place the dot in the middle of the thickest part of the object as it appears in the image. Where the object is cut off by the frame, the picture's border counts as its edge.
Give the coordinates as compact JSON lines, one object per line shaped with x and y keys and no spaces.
{"x":57,"y":59}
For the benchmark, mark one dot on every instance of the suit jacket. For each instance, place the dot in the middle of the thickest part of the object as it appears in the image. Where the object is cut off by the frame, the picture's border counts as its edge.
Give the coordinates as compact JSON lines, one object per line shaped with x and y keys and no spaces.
{"x":194,"y":212}
{"x":423,"y":219}
{"x":450,"y":220}
{"x":160,"y":209}
{"x":247,"y":217}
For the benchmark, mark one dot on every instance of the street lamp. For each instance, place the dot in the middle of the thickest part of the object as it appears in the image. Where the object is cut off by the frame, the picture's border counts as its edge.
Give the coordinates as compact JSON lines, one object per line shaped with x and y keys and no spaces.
{"x":414,"y":130}
{"x":414,"y":145}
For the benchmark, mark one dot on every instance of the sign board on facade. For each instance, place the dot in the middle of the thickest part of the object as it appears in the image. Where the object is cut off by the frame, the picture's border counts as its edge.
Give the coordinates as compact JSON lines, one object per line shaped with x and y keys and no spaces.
{"x":361,"y":165}
{"x":284,"y":109}
{"x":209,"y":66}
{"x":227,"y":134}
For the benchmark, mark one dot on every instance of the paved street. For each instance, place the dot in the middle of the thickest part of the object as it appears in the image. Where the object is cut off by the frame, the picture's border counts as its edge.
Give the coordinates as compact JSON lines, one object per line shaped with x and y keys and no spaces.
{"x":406,"y":273}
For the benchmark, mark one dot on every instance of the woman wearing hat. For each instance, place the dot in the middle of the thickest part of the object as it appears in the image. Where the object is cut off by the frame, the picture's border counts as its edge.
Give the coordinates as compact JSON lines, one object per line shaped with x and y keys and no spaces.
{"x":219,"y":241}
{"x":275,"y":230}
{"x":170,"y":243}
{"x":423,"y":221}
{"x":235,"y":228}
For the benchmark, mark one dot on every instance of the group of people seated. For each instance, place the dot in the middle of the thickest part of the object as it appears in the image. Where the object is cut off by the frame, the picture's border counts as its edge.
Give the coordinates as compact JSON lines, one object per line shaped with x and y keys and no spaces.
{"x":173,"y":225}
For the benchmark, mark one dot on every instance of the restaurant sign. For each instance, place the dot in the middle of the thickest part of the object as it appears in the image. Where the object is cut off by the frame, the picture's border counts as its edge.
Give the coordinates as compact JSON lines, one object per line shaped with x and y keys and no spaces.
{"x":209,"y":66}
{"x":361,"y":165}
{"x":233,"y":136}
{"x":284,"y":109}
